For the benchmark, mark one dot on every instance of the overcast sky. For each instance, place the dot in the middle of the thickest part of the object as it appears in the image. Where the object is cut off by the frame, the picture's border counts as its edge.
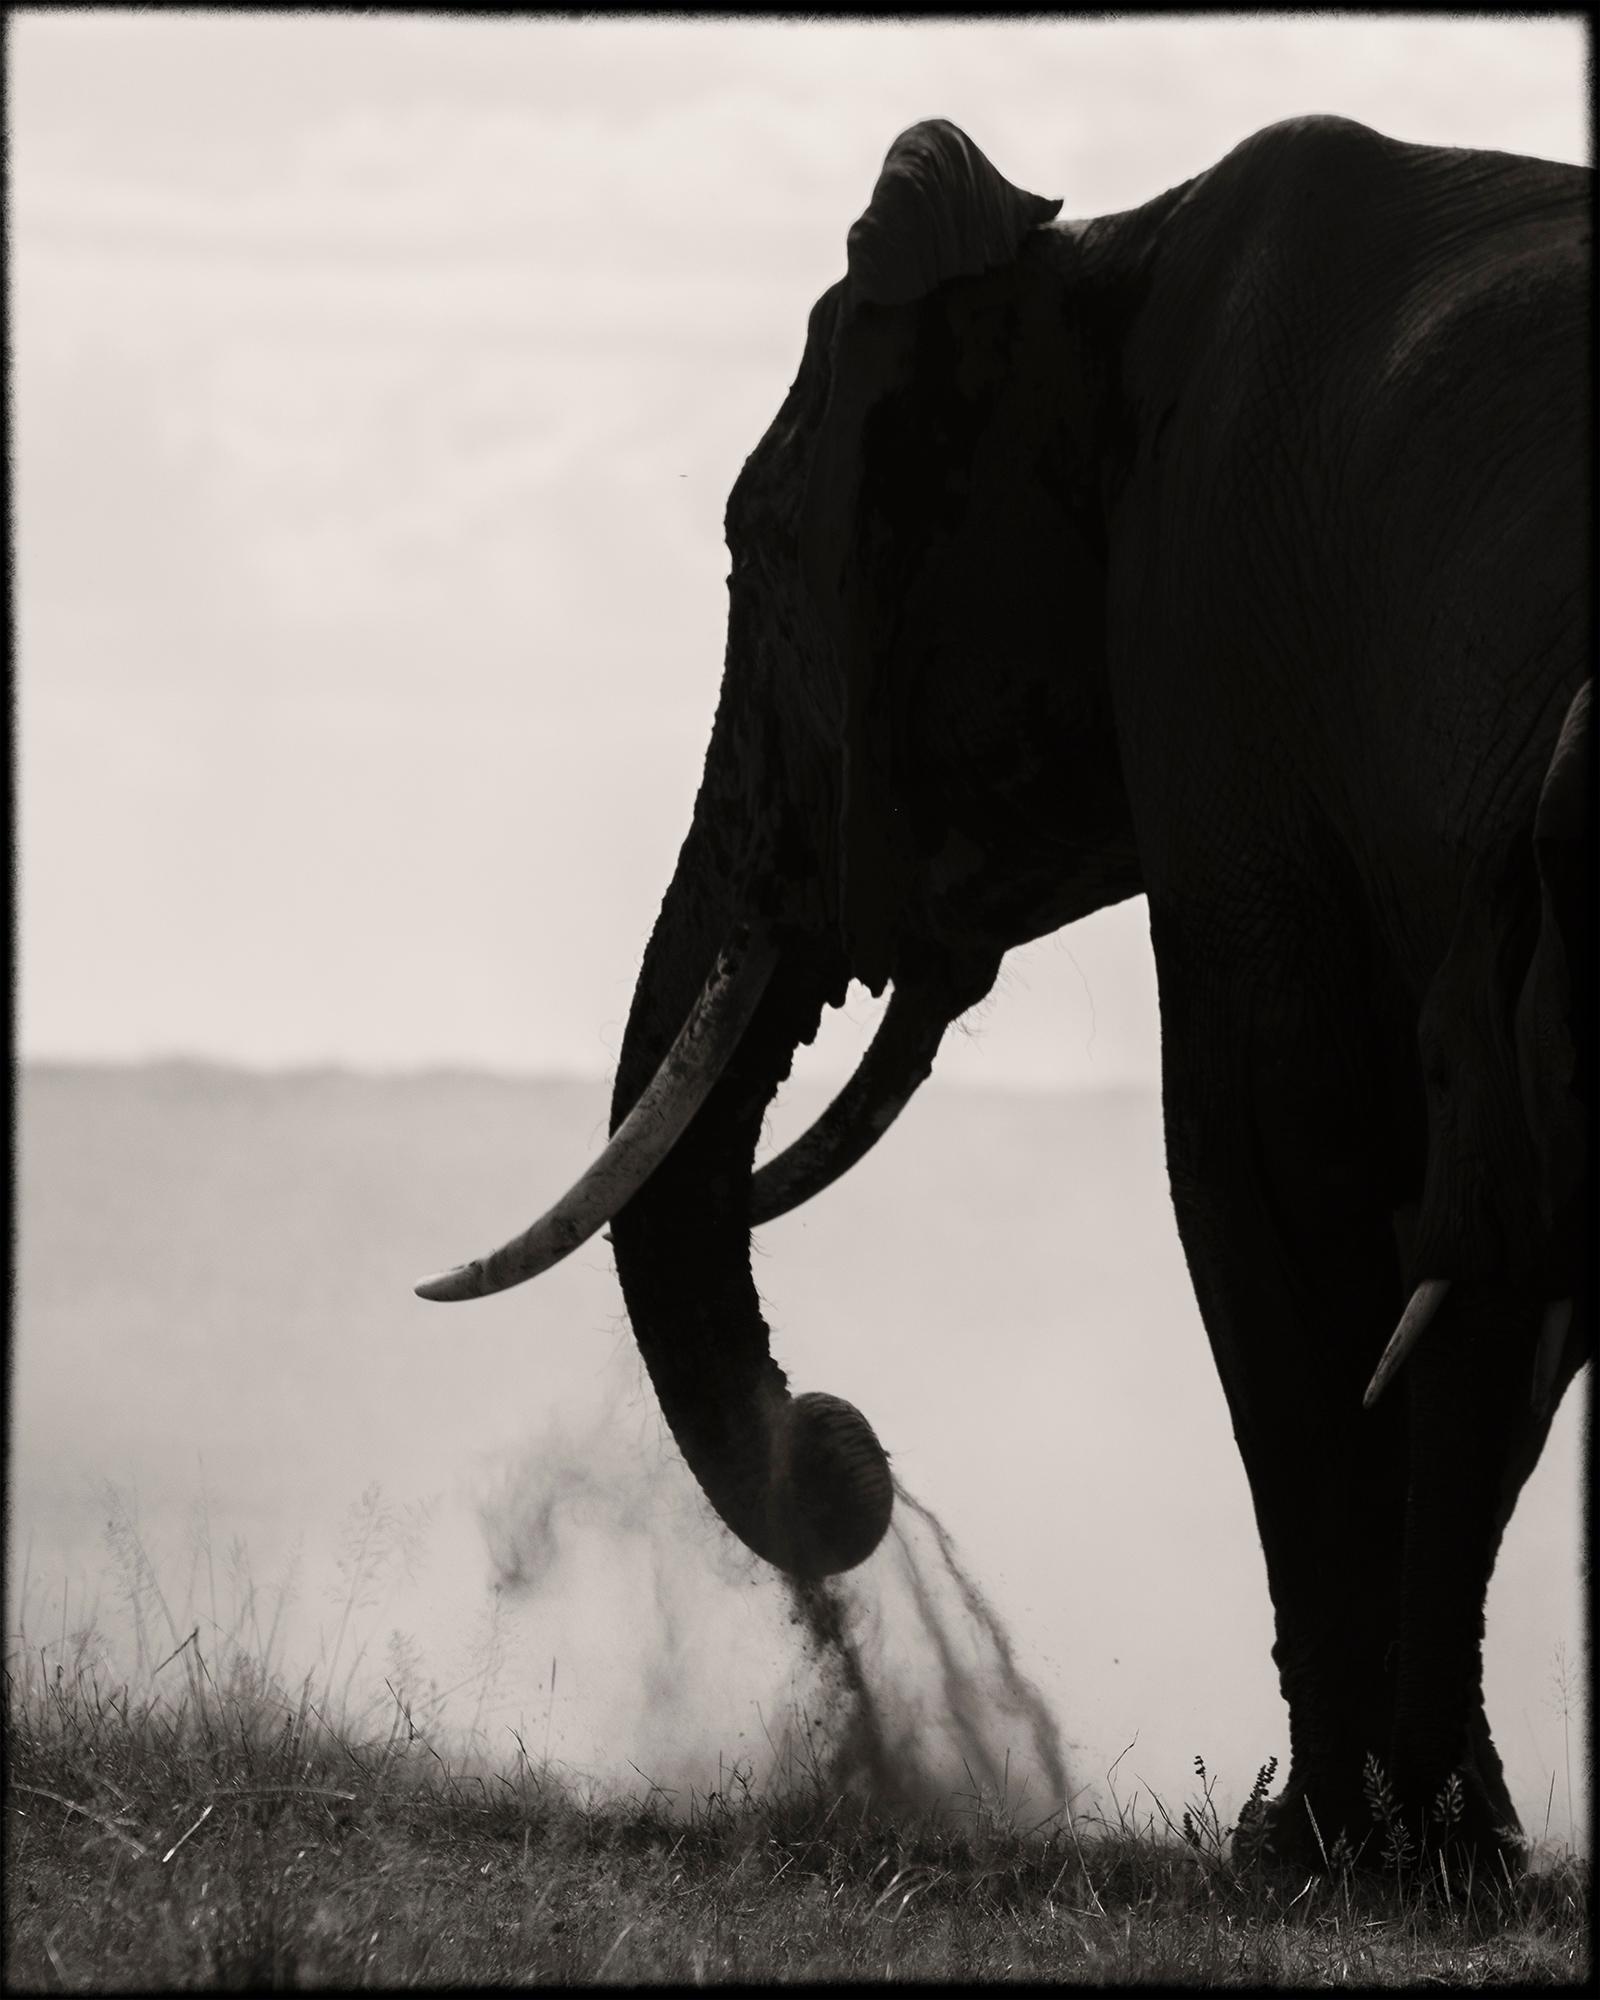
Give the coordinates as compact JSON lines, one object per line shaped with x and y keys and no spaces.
{"x":378,"y":386}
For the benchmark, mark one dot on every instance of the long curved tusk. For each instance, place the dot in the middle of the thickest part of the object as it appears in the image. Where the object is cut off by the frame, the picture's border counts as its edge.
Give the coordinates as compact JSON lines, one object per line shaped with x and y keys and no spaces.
{"x":1425,"y":1302}
{"x":641,"y":1142}
{"x":1547,"y":1356}
{"x":899,"y":1058}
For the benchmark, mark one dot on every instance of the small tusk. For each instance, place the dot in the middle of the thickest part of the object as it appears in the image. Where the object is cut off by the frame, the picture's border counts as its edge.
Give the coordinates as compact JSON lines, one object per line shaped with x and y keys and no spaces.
{"x":689,"y":1070}
{"x":899,"y":1060}
{"x":1425,"y":1302}
{"x":1547,"y":1356}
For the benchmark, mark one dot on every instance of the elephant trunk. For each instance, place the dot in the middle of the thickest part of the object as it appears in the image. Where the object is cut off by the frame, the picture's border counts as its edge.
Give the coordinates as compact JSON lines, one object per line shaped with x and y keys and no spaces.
{"x":802,"y":1481}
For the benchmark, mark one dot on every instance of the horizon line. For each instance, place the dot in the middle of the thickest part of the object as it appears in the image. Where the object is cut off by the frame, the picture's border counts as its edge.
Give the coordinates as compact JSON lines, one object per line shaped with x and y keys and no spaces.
{"x":435,"y":1069}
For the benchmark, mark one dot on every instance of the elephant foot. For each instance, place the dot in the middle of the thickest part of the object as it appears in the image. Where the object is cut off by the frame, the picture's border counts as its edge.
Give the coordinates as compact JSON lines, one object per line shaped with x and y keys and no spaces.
{"x":1315,"y":1822}
{"x":1354,"y":1818}
{"x":1466,"y":1819}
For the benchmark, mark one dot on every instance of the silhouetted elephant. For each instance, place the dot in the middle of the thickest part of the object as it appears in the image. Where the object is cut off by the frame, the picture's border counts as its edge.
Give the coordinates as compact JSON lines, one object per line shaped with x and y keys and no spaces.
{"x":1234,"y":552}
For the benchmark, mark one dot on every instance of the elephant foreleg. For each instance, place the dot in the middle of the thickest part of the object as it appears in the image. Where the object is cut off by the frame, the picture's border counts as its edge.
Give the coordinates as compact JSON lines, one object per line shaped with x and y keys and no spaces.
{"x":1287,"y":1229}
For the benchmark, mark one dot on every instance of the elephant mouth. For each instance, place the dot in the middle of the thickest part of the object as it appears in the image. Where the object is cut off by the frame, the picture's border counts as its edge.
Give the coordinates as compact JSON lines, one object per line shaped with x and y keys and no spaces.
{"x":899,"y":1059}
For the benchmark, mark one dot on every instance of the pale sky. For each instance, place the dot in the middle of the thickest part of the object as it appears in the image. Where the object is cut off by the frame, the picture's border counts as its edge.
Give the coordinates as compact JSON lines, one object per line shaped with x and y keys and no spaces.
{"x":378,"y":387}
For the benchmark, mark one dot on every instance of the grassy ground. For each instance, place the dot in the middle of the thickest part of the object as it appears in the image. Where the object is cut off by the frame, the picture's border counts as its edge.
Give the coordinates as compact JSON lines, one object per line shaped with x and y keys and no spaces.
{"x":233,"y":1836}
{"x":207,"y":1822}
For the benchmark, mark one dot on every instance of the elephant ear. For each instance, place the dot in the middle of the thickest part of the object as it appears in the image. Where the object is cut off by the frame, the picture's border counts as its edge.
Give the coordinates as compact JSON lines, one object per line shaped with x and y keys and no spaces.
{"x":940,"y":211}
{"x":1555,"y":1010}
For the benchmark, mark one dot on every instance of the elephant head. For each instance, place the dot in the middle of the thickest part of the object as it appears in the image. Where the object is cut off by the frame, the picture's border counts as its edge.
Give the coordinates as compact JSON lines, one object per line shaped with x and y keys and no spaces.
{"x":910,"y":771}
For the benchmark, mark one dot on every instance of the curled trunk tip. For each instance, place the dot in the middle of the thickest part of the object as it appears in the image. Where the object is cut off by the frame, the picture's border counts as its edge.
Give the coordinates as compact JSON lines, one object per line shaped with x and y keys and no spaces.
{"x":831,"y":1494}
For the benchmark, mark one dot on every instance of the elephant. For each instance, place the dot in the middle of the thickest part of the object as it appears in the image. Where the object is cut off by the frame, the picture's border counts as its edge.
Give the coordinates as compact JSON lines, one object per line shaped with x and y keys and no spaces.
{"x":1232,"y":551}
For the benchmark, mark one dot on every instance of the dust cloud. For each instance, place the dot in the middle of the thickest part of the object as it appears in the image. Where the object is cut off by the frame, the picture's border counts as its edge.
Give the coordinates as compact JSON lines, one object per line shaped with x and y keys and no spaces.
{"x":701,"y":1665}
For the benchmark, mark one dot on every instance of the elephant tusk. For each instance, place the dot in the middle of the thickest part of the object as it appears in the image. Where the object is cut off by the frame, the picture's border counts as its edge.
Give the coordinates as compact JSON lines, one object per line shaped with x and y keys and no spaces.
{"x":1547,"y":1356}
{"x":899,"y":1059}
{"x":1425,"y":1302}
{"x":641,"y":1142}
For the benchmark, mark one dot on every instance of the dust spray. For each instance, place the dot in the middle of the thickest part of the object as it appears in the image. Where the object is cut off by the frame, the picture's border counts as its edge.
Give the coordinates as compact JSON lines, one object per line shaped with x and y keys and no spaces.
{"x":906,"y":1688}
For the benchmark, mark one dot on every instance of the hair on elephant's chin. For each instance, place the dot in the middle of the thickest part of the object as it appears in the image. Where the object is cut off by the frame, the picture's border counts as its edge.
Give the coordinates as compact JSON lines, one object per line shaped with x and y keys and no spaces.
{"x":830,"y":1495}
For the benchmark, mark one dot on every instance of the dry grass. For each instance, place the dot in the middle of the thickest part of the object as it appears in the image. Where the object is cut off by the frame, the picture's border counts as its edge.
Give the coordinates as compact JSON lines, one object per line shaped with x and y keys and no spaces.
{"x":208,"y":1824}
